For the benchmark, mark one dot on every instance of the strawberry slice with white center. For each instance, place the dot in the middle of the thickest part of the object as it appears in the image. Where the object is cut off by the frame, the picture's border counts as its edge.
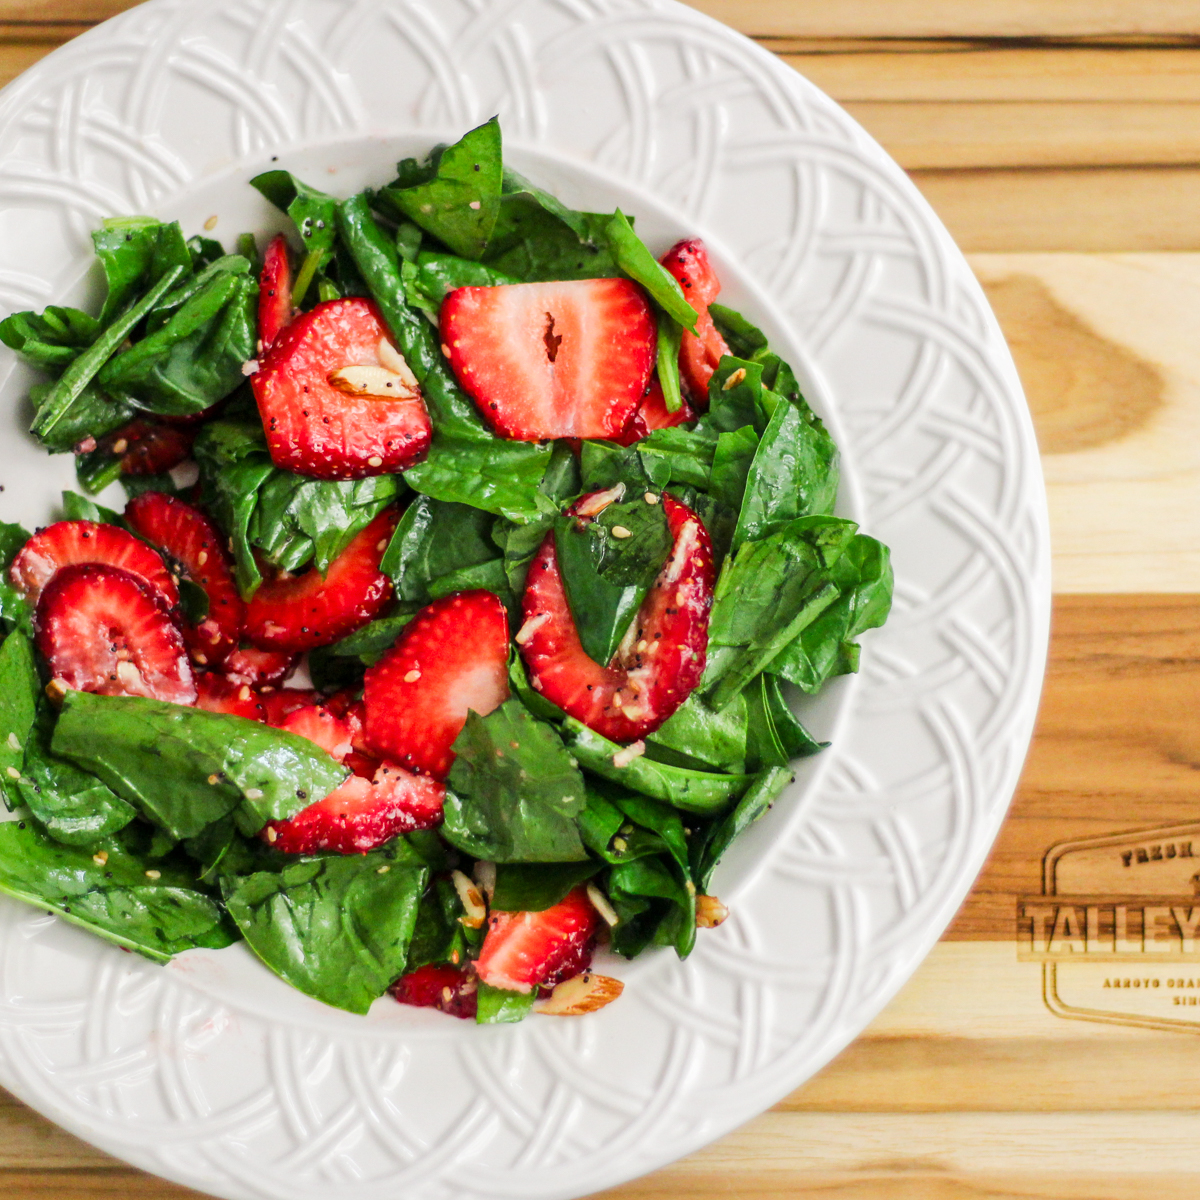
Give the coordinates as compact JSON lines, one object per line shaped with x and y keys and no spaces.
{"x":524,"y":950}
{"x":566,"y":359}
{"x":300,"y":612}
{"x":362,"y":813}
{"x":660,"y":660}
{"x":701,"y":352}
{"x":103,"y":630}
{"x":188,"y":538}
{"x":259,"y":668}
{"x":652,"y":414}
{"x":274,"y":293}
{"x":452,"y":658}
{"x":69,"y":542}
{"x":336,"y":397}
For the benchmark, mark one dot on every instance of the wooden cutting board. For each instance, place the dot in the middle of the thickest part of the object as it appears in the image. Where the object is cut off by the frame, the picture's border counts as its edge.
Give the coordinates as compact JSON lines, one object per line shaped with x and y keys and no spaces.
{"x":1060,"y":142}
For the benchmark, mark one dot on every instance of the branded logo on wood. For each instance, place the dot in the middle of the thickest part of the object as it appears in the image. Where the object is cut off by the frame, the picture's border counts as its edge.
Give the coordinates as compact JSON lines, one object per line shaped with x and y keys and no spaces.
{"x":1117,"y":928}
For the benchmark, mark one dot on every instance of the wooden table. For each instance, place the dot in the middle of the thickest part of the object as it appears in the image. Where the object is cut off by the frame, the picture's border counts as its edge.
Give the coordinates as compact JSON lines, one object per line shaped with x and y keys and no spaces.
{"x":1060,"y":142}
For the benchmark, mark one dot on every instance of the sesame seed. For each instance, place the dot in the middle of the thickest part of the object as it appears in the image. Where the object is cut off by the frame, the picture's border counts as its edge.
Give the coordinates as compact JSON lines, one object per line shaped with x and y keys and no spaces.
{"x":13,"y":773}
{"x":153,"y":874}
{"x":214,"y":780}
{"x":412,"y":676}
{"x":445,"y":350}
{"x":619,"y":531}
{"x":14,"y":743}
{"x":382,"y":870}
{"x":100,"y":858}
{"x":120,"y":446}
{"x":254,"y":793}
{"x":650,"y":498}
{"x":272,"y":834}
{"x":620,"y":845}
{"x":374,"y":461}
{"x":739,"y":376}
{"x":211,"y":223}
{"x":244,"y":692}
{"x":202,"y":557}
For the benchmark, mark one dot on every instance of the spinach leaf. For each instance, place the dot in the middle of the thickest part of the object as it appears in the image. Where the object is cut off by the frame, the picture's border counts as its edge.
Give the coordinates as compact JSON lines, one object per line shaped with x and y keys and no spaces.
{"x":678,"y":455}
{"x":513,"y":793}
{"x":608,"y":565}
{"x":204,"y":251}
{"x":496,"y":1006}
{"x":746,"y":341}
{"x":20,"y":689}
{"x":766,"y":595}
{"x":92,"y":414}
{"x":335,"y":927}
{"x":133,"y":253}
{"x":693,"y":791}
{"x":184,"y":768}
{"x":498,"y":476}
{"x":72,"y":806}
{"x":313,"y":213}
{"x":342,"y":664}
{"x":656,"y":905}
{"x":125,"y":898}
{"x":732,"y":459}
{"x":737,"y":397}
{"x":436,"y":275}
{"x":670,"y":338}
{"x":794,"y":474}
{"x":707,"y":850}
{"x":79,"y":508}
{"x":14,"y":608}
{"x":826,"y":647}
{"x":435,"y":539}
{"x":535,"y":887}
{"x":196,"y":358}
{"x":439,"y":935}
{"x":536,"y":238}
{"x":51,"y":339}
{"x":696,"y":736}
{"x":70,"y":394}
{"x":776,"y":736}
{"x":641,"y":266}
{"x":460,"y":202}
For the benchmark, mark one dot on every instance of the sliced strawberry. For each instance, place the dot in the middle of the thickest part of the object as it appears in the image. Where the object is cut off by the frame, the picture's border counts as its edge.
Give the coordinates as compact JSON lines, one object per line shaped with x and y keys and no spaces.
{"x":451,"y":658}
{"x":149,"y":447}
{"x":325,"y":391}
{"x":451,"y":989}
{"x":659,"y":663}
{"x":274,"y":293}
{"x":318,"y":724}
{"x":700,"y":352}
{"x":280,"y":703}
{"x":259,"y":668}
{"x":68,"y":542}
{"x":215,"y":693}
{"x":102,"y":629}
{"x":552,"y":360}
{"x":652,"y":414}
{"x":301,"y":612}
{"x":362,"y":814}
{"x":524,"y":950}
{"x":188,"y":539}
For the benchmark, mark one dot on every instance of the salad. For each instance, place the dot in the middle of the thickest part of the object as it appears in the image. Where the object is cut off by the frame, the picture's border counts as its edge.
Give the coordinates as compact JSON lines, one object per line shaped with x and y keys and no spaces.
{"x":470,"y":556}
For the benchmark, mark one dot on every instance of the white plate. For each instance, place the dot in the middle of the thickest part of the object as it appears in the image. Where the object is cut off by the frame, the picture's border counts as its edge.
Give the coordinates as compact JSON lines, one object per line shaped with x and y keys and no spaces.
{"x":212,"y":1073}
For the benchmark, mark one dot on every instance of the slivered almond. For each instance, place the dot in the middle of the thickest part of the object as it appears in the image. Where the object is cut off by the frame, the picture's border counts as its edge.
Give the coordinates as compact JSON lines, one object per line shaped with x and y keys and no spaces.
{"x":584,"y":994}
{"x":623,"y":758}
{"x":485,"y":877}
{"x":710,"y":912}
{"x":474,"y":911}
{"x":392,"y":360}
{"x":531,"y":626}
{"x":372,"y":381}
{"x":594,"y":505}
{"x":601,"y":905}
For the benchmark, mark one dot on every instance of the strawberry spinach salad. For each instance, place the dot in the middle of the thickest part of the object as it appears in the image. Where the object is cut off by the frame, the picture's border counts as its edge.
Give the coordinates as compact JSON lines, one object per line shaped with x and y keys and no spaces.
{"x":548,"y":529}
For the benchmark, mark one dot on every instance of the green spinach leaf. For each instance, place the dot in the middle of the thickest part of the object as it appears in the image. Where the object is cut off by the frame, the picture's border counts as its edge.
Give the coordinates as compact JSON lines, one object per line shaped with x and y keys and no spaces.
{"x":51,"y":339}
{"x":535,"y":887}
{"x":134,"y":252}
{"x":435,"y":539}
{"x":496,"y":1006}
{"x":20,"y":690}
{"x":641,"y":266}
{"x":513,"y":793}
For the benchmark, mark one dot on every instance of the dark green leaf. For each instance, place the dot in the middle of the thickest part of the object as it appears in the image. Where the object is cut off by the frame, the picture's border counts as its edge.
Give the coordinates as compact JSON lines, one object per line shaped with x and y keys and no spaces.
{"x":761,"y":795}
{"x":776,"y":736}
{"x":669,"y":339}
{"x":696,"y":736}
{"x":57,"y":405}
{"x":184,"y":768}
{"x":461,"y":201}
{"x":313,"y":213}
{"x":20,"y":689}
{"x":204,"y":251}
{"x":534,"y":887}
{"x":499,"y":1007}
{"x":655,"y":904}
{"x":51,"y":339}
{"x":338,"y":927}
{"x":731,"y":463}
{"x":826,"y":647}
{"x":436,"y":539}
{"x":747,"y":341}
{"x":693,"y":791}
{"x":196,"y":358}
{"x":439,"y":934}
{"x":641,"y":266}
{"x":766,"y":596}
{"x":437,"y":275}
{"x":134,"y":252}
{"x":105,"y":888}
{"x":73,"y":806}
{"x":14,"y":608}
{"x":193,"y":602}
{"x":536,"y":238}
{"x":513,"y":792}
{"x":608,"y":565}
